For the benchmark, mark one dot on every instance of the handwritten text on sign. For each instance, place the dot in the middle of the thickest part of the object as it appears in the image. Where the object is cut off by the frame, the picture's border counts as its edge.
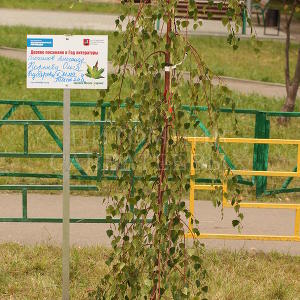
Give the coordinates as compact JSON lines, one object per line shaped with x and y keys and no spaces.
{"x":75,"y":62}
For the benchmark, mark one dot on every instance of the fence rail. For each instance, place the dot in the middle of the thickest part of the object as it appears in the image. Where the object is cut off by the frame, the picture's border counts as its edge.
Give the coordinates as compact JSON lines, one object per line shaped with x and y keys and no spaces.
{"x":260,"y":156}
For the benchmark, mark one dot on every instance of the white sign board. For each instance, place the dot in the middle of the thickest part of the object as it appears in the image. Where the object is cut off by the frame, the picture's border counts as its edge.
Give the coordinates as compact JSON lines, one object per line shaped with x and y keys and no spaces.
{"x":72,"y":62}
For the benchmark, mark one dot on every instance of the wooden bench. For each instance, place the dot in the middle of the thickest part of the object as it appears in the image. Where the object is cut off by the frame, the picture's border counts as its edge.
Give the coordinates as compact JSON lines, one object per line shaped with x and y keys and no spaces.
{"x":205,"y":11}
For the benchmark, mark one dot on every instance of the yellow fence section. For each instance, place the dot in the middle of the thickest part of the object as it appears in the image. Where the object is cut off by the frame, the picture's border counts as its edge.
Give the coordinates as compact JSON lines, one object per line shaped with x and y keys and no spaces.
{"x":223,"y":186}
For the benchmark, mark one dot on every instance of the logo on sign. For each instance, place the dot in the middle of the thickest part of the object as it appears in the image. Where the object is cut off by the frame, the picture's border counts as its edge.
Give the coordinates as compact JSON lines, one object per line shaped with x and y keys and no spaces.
{"x":86,"y":42}
{"x":39,"y":42}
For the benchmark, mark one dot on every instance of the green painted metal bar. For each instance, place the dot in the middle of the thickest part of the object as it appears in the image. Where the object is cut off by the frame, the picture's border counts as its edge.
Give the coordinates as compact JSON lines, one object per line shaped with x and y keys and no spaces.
{"x":25,"y":139}
{"x":140,"y":146}
{"x":9,"y":113}
{"x":137,"y":150}
{"x":24,"y":203}
{"x":58,"y":220}
{"x":281,"y":191}
{"x":261,"y":151}
{"x":184,"y":107}
{"x":282,"y":114}
{"x":47,"y":155}
{"x":48,"y":128}
{"x":80,"y":177}
{"x":57,"y":140}
{"x":209,"y":180}
{"x":288,"y":180}
{"x":132,"y":191}
{"x":47,"y":103}
{"x":54,"y":122}
{"x":243,"y":111}
{"x":45,"y":175}
{"x":157,"y":24}
{"x":197,"y":180}
{"x":46,"y":187}
{"x":101,"y":137}
{"x":222,"y":109}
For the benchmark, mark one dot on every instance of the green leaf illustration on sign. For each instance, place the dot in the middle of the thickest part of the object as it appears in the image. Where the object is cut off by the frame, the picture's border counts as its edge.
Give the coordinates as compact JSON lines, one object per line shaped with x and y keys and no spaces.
{"x":94,"y":72}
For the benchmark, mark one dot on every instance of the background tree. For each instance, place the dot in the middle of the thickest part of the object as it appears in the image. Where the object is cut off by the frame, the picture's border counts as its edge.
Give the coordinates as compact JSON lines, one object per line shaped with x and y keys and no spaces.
{"x":150,"y":258}
{"x":291,"y":83}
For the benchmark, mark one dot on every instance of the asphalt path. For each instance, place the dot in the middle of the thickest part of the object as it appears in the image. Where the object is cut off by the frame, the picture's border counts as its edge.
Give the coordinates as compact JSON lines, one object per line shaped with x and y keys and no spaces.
{"x":106,"y":22}
{"x":257,"y":221}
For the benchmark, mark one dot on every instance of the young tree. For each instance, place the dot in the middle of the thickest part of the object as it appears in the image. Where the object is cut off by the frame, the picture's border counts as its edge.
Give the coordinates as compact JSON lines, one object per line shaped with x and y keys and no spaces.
{"x":150,"y":258}
{"x":291,"y":83}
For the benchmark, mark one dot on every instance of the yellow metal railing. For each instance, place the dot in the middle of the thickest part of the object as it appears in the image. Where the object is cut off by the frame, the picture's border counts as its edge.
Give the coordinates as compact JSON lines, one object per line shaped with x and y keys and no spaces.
{"x":223,"y":186}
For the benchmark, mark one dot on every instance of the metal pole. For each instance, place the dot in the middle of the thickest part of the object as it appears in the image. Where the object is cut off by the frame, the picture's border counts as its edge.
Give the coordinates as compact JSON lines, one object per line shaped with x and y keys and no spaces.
{"x":66,"y":198}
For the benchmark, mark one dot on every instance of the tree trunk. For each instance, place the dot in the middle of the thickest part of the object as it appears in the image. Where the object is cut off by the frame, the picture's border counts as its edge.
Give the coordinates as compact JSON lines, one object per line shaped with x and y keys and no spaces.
{"x":156,"y":293}
{"x":291,"y":91}
{"x":292,"y":85}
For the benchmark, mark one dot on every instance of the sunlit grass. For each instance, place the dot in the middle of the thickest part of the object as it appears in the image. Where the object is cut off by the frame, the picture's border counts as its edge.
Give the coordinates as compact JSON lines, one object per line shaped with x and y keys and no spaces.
{"x":34,"y":272}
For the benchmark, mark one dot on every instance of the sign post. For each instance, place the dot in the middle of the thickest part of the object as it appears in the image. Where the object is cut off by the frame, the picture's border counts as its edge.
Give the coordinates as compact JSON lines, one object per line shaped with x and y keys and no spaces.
{"x":66,"y":198}
{"x":67,"y":62}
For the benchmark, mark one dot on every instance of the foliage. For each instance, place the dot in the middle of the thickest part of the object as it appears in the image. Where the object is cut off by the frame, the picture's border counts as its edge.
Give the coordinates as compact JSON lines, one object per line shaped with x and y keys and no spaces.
{"x":150,"y":258}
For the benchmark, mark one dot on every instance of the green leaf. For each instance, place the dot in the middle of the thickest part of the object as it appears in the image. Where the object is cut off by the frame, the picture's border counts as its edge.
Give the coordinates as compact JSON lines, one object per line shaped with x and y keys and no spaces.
{"x":187,"y":125}
{"x":109,"y":233}
{"x":235,"y":223}
{"x":185,"y":24}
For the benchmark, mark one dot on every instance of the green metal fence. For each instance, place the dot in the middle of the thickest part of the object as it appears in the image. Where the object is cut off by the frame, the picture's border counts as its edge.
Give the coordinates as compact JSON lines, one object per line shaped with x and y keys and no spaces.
{"x":260,"y":153}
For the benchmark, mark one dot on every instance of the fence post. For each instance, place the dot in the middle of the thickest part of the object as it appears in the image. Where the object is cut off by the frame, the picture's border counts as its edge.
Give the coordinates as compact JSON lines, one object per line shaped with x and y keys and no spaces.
{"x":24,"y":203}
{"x":100,"y":164}
{"x":25,"y":138}
{"x":261,"y":151}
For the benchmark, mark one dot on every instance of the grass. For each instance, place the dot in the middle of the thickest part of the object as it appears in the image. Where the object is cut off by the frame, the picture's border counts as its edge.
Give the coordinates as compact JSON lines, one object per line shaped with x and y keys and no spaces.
{"x":34,"y":272}
{"x":266,"y":65}
{"x":64,"y":5}
{"x":85,"y":139}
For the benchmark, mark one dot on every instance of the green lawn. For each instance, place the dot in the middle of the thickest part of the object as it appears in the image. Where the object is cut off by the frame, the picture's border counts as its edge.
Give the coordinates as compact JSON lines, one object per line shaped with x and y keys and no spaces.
{"x":34,"y":272}
{"x":266,"y":65}
{"x":65,"y":5}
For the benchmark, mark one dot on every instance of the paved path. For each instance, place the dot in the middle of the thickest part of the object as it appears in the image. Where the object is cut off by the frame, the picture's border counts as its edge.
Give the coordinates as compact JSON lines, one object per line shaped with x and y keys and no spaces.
{"x":239,"y":85}
{"x":105,"y":22}
{"x":257,"y":221}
